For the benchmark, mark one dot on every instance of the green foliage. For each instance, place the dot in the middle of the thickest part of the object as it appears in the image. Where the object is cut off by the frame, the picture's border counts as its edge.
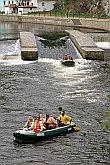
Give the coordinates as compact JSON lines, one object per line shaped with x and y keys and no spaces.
{"x":56,"y":12}
{"x":107,"y":125}
{"x":108,"y":95}
{"x":106,"y":121}
{"x":107,"y":113}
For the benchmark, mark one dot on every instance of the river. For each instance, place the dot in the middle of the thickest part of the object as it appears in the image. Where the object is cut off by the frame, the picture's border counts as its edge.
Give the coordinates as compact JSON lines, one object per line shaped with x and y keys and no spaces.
{"x":30,"y":87}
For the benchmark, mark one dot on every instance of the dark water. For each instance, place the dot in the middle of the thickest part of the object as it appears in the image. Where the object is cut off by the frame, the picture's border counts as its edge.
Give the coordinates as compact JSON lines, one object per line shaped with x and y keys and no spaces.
{"x":27,"y":88}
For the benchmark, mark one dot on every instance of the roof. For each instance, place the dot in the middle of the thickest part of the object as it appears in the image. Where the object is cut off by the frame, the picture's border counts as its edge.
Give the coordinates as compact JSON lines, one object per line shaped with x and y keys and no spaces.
{"x":27,"y":6}
{"x":11,"y":5}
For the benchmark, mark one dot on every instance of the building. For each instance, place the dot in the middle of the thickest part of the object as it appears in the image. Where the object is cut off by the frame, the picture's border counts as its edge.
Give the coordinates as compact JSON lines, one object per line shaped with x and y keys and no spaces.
{"x":10,"y":8}
{"x":26,"y":6}
{"x":6,"y":2}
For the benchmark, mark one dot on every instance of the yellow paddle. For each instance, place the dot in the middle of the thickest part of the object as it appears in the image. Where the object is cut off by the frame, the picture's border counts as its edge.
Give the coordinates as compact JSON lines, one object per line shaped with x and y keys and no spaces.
{"x":76,"y":129}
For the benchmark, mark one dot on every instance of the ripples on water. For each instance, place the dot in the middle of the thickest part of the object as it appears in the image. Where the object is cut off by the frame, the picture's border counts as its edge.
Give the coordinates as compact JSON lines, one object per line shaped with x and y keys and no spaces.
{"x":43,"y":85}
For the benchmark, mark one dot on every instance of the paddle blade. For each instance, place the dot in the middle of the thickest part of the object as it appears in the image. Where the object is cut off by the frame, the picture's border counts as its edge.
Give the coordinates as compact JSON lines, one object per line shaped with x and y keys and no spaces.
{"x":76,"y":129}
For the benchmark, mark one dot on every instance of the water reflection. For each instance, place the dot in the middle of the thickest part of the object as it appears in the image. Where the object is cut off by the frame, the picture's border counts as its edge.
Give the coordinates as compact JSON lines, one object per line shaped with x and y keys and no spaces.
{"x":12,"y":30}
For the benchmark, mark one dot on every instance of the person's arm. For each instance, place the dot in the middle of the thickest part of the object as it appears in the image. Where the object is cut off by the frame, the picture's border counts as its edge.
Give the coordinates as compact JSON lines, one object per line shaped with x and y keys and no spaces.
{"x":54,"y":121}
{"x":55,"y":116}
{"x":59,"y":117}
{"x":68,"y":118}
{"x":33,"y":123}
{"x":41,"y":126}
{"x":25,"y":125}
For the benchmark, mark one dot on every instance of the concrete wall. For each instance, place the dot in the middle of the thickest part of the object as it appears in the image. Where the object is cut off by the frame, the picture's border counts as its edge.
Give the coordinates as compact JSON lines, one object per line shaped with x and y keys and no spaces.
{"x":96,"y":23}
{"x":76,"y":22}
{"x":86,"y":46}
{"x":29,"y":49}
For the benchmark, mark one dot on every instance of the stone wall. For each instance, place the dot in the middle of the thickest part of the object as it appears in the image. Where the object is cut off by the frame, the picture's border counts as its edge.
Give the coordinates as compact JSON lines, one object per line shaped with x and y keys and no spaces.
{"x":29,"y":49}
{"x":86,"y":46}
{"x":74,"y":22}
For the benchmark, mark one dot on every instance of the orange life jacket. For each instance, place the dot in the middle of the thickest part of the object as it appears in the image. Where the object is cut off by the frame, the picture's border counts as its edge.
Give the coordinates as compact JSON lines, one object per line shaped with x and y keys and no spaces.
{"x":31,"y":122}
{"x":50,"y":122}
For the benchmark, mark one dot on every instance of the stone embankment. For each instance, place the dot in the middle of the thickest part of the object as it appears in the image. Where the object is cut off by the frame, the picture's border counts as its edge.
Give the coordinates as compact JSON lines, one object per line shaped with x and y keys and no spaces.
{"x":86,"y":45}
{"x":29,"y":49}
{"x":103,"y":24}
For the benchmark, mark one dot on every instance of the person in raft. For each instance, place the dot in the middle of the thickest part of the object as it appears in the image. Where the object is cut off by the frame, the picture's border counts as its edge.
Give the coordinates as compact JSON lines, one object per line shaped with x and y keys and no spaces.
{"x":42,"y":118}
{"x":60,"y":109}
{"x":29,"y":124}
{"x":64,"y":119}
{"x":50,"y":122}
{"x":39,"y":125}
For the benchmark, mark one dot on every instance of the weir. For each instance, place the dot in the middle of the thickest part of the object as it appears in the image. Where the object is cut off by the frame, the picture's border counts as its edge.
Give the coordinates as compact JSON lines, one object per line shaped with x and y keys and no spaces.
{"x":29,"y":49}
{"x":86,"y":45}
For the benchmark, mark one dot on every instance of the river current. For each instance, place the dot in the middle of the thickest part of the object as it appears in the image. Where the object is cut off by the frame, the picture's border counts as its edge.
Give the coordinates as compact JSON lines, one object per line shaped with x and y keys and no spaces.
{"x":30,"y":87}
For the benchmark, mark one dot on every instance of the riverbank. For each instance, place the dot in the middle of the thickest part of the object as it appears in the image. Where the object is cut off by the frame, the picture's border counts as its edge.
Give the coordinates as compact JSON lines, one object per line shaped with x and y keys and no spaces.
{"x":77,"y":23}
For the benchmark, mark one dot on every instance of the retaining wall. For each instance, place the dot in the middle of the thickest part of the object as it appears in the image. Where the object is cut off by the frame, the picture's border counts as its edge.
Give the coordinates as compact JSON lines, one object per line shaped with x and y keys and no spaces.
{"x":29,"y":49}
{"x":86,"y":46}
{"x":76,"y":22}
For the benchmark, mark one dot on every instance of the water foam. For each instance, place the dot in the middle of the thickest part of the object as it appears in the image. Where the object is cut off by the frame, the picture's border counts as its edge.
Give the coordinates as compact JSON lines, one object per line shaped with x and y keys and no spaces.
{"x":11,"y":62}
{"x":103,"y":45}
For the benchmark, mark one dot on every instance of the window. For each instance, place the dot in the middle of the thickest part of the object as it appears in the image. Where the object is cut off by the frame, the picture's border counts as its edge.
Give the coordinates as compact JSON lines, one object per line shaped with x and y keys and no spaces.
{"x":27,"y":3}
{"x":4,"y":3}
{"x":42,"y":3}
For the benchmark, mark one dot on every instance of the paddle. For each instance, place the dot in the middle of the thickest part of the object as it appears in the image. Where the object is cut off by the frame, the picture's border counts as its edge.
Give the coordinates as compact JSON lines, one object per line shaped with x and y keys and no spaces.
{"x":76,"y":61}
{"x":76,"y":129}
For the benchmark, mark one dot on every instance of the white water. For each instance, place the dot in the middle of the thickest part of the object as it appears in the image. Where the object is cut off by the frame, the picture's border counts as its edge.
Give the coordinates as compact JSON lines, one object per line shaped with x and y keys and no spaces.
{"x":14,"y":57}
{"x":11,"y":55}
{"x":70,"y":48}
{"x":103,"y":45}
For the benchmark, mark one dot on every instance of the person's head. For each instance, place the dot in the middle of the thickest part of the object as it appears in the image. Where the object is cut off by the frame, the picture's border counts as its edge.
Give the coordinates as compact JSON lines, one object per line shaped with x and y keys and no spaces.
{"x":40,"y":115}
{"x":60,"y":109}
{"x":63,"y":113}
{"x":30,"y":118}
{"x":38,"y":118}
{"x":47,"y":116}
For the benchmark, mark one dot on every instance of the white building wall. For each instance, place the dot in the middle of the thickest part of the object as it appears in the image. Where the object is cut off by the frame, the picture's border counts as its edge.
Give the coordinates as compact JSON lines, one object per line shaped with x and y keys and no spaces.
{"x":26,"y":10}
{"x":8,"y":10}
{"x":45,"y":5}
{"x":34,"y":3}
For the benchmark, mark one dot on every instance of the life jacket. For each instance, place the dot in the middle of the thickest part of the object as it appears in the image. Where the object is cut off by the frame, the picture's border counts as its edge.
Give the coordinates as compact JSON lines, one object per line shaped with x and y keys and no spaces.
{"x":70,"y":58}
{"x":37,"y":125}
{"x":50,"y":122}
{"x":29,"y":124}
